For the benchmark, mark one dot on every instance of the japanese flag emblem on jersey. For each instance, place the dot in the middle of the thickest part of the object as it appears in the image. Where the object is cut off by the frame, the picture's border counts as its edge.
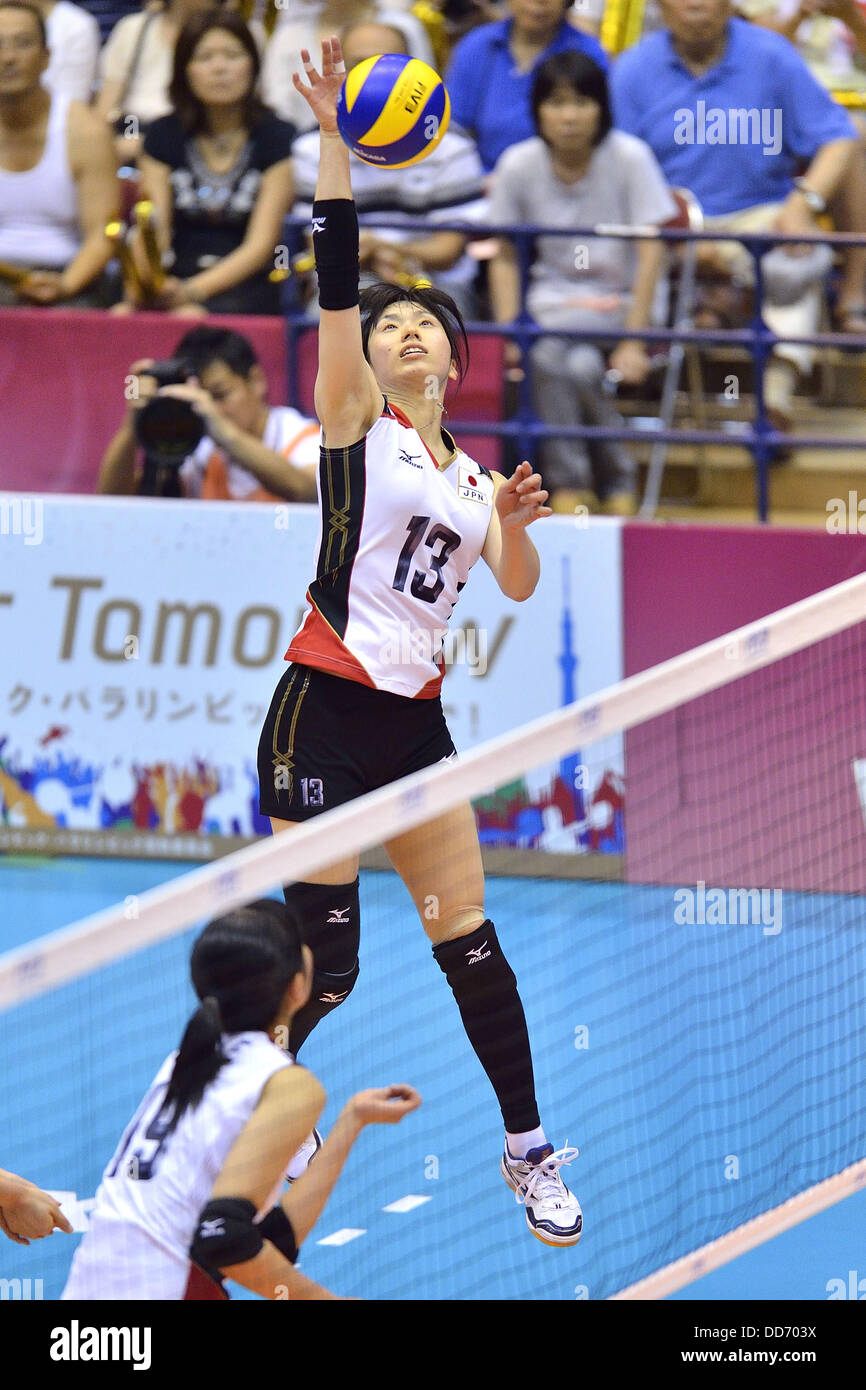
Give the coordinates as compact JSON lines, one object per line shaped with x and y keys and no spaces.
{"x":473,"y":485}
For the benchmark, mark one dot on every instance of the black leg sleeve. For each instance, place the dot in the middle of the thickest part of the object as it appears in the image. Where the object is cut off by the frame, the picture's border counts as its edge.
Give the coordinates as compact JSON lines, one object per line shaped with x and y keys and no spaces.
{"x":484,"y":986}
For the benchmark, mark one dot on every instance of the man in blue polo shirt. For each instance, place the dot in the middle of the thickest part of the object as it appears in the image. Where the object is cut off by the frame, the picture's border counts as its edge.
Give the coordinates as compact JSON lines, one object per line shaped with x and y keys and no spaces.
{"x":732,"y":112}
{"x":493,"y":67}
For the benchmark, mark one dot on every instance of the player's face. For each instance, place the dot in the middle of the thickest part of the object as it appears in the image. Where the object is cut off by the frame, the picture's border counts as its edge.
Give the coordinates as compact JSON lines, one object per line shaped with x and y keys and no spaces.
{"x":238,"y":398}
{"x":22,"y":57}
{"x":568,"y":120}
{"x":409,"y":350}
{"x":696,"y":22}
{"x":220,"y":70}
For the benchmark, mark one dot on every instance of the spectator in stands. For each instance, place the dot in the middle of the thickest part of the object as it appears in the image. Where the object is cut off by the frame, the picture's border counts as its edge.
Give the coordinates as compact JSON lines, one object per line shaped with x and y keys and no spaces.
{"x":251,"y":452}
{"x":137,"y":63}
{"x":218,"y":170}
{"x":446,"y":22}
{"x":830,"y":36}
{"x":446,"y":186}
{"x":731,"y":112}
{"x":73,"y":47}
{"x":283,"y":56}
{"x":493,"y":68}
{"x":578,"y":172}
{"x":26,"y":1212}
{"x":57,"y":177}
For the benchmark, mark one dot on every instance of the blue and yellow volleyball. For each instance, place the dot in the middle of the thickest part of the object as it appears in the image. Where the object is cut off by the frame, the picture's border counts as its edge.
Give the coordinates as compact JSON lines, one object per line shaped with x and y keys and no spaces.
{"x":393,"y":110}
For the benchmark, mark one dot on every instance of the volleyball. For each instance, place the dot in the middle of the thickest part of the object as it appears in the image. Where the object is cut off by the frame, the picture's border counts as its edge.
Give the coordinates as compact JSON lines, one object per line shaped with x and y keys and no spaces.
{"x":393,"y":110}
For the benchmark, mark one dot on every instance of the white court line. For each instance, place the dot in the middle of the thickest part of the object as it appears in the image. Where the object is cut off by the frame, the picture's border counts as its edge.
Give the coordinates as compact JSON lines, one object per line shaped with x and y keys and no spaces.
{"x":404,"y":1204}
{"x":342,"y":1237}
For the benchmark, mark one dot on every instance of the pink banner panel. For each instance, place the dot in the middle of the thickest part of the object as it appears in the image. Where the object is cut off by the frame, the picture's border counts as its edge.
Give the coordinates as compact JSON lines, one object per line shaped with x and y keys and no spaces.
{"x":760,"y":784}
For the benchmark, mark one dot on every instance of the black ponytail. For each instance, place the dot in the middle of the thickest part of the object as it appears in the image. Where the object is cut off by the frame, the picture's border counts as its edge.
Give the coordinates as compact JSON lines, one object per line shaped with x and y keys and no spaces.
{"x":242,"y":965}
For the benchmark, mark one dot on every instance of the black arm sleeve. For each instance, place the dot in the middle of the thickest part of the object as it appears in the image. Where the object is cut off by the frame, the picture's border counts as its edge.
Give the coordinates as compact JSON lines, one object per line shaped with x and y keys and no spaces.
{"x":335,"y":243}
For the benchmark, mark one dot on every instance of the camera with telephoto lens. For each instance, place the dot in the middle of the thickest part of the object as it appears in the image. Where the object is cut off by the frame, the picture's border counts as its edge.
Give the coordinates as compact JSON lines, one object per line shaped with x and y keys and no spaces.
{"x":167,"y":429}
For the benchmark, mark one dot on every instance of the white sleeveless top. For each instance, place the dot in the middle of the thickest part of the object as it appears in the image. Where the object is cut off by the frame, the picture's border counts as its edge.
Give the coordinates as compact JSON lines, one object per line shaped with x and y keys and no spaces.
{"x":397,"y":538}
{"x":39,"y":208}
{"x":153,"y":1190}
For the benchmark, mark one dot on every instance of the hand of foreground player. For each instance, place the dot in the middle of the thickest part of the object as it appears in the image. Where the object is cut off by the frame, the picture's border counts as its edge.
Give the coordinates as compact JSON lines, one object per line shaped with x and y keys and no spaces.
{"x":324,"y":88}
{"x":385,"y":1105}
{"x":521,"y":500}
{"x":28,"y":1213}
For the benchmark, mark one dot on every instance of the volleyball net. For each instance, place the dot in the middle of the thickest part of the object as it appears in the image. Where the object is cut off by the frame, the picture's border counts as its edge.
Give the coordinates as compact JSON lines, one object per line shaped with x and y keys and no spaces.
{"x":676,"y":871}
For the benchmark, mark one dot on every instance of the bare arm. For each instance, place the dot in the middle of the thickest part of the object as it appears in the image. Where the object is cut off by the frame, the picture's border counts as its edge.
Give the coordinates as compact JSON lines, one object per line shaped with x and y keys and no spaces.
{"x":829,"y":167}
{"x":508,"y":551}
{"x":117,"y":470}
{"x":504,"y":282}
{"x":91,"y":159}
{"x":155,"y":186}
{"x":630,"y":356}
{"x":290,"y":1104}
{"x":305,"y":1200}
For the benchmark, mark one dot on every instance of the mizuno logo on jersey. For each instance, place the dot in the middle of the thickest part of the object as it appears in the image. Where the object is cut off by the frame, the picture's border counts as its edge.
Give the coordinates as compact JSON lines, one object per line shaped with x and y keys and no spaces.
{"x":478,"y":955}
{"x":333,"y":998}
{"x":318,"y":224}
{"x":414,"y":459}
{"x":212,"y":1228}
{"x":339,"y":915}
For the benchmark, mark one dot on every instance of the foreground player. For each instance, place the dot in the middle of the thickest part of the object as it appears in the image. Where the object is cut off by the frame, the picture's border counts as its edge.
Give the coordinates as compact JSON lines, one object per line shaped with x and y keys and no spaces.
{"x":405,"y":516}
{"x":193,"y":1192}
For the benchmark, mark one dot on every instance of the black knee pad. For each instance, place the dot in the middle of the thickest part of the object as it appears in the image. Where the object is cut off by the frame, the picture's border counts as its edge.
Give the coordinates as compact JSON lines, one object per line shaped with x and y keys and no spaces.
{"x":475,"y":962}
{"x":330,"y":988}
{"x":329,"y":919}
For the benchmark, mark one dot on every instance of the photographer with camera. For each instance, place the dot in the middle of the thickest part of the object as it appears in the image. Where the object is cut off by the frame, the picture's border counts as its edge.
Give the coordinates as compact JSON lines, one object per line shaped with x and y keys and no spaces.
{"x":205,"y":429}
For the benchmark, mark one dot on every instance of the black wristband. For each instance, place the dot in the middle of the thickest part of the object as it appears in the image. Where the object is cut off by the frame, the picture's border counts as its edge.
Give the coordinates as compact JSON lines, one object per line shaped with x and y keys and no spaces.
{"x":335,"y":245}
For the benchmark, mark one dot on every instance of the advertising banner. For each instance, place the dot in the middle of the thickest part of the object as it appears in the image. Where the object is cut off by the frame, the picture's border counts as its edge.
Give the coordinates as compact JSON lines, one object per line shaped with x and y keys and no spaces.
{"x":143,"y":638}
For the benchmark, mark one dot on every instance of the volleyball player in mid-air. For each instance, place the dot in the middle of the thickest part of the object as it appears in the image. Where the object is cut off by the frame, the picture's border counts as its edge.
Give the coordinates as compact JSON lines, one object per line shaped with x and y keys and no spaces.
{"x":193,"y":1192}
{"x":404,"y":516}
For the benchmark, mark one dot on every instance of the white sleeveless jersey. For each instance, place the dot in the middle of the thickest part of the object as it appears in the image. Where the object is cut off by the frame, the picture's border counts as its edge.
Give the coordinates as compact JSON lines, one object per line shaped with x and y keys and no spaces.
{"x":397,"y":538}
{"x":153,"y":1190}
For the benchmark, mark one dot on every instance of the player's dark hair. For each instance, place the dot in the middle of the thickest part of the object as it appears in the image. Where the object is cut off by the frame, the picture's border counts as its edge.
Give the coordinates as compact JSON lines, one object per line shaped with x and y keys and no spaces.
{"x":241,"y":967}
{"x":377,"y":298}
{"x":583,"y":75}
{"x":203,"y":346}
{"x":189,"y":110}
{"x":31,"y":10}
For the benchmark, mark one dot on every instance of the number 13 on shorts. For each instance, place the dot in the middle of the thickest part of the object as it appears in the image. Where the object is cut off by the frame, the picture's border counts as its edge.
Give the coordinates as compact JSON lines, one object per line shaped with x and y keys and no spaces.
{"x":312,"y":791}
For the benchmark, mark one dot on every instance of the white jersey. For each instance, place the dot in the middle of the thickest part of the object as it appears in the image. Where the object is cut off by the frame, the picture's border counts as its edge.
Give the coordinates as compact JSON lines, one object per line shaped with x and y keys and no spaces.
{"x":398,"y":535}
{"x":153,"y":1190}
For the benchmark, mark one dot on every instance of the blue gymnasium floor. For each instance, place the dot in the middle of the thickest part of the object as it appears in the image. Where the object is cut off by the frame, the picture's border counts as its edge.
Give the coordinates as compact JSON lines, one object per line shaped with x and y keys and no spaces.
{"x":705,"y":1049}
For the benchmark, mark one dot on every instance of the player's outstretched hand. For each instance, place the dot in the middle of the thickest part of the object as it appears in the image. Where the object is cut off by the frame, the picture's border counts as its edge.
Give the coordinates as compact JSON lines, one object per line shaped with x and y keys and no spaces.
{"x":385,"y":1105}
{"x":31,"y":1214}
{"x":521,"y":500}
{"x":322,"y":88}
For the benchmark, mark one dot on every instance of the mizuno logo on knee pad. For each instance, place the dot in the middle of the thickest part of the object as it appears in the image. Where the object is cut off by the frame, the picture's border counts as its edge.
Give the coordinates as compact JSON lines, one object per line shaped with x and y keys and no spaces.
{"x":479,"y":954}
{"x":333,"y":998}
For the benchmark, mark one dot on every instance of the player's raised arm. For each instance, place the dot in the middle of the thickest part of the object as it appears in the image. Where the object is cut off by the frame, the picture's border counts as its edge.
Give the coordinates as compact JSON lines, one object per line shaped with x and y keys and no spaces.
{"x":348,"y":399}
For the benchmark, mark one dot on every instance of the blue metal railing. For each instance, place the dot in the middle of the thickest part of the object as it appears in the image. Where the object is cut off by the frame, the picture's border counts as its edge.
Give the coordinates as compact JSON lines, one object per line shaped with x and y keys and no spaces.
{"x":525,"y":427}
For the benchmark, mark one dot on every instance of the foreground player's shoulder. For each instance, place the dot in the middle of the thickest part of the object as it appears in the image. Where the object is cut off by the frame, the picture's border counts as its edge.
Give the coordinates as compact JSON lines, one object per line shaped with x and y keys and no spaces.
{"x":291,"y":1088}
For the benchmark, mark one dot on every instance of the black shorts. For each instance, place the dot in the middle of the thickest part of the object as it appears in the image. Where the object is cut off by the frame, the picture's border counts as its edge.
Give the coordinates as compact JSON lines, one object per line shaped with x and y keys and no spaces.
{"x":327,"y":739}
